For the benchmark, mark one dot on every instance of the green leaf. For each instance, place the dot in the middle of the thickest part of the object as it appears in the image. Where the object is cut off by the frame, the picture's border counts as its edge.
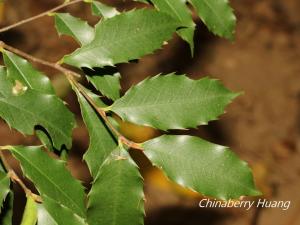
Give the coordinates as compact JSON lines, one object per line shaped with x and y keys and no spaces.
{"x":217,"y":15}
{"x":44,"y":218}
{"x":19,"y":69}
{"x":187,"y":34}
{"x":138,"y":33}
{"x":173,"y":102}
{"x":61,"y":214}
{"x":144,"y":1}
{"x":108,"y":85}
{"x":7,"y":211}
{"x":27,"y":101}
{"x":4,"y":187}
{"x":30,"y":212}
{"x":116,"y":197}
{"x":45,"y":140}
{"x":66,"y":217}
{"x":25,"y":112}
{"x":69,"y":25}
{"x":102,"y":143}
{"x":210,"y":169}
{"x":100,"y":9}
{"x":179,"y":10}
{"x":58,"y":189}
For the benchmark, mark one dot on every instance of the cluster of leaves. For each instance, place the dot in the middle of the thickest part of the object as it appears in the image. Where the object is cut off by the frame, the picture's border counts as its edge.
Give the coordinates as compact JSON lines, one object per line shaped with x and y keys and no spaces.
{"x":165,"y":102}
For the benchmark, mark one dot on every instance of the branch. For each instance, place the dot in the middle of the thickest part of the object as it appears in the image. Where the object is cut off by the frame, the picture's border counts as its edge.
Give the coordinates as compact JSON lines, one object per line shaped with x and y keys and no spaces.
{"x":38,"y":60}
{"x":15,"y":178}
{"x":70,"y":75}
{"x":65,"y":4}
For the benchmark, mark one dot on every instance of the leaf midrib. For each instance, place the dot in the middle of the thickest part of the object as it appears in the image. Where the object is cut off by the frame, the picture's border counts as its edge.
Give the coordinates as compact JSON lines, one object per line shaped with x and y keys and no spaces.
{"x":54,"y":184}
{"x":175,"y":102}
{"x":97,"y":44}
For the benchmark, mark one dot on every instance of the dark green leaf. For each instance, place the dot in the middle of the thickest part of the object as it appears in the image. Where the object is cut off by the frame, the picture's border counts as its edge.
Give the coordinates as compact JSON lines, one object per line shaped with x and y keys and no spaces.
{"x":116,"y":197}
{"x":179,"y":10}
{"x":7,"y":211}
{"x":27,"y":100}
{"x":217,"y":15}
{"x":108,"y":85}
{"x":55,"y":184}
{"x":102,"y":142}
{"x":19,"y":69}
{"x":61,"y":214}
{"x":138,"y":33}
{"x":106,"y":11}
{"x":187,"y":34}
{"x":4,"y":187}
{"x":210,"y":169}
{"x":173,"y":102}
{"x":69,"y":25}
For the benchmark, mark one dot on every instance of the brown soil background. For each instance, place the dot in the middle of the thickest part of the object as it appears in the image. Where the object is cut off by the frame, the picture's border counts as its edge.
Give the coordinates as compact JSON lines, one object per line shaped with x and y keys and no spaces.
{"x":262,"y":125}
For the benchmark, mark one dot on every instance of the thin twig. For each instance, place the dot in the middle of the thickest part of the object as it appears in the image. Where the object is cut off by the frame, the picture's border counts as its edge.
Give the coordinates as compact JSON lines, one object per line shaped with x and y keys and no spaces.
{"x":15,"y":178}
{"x":70,"y":75}
{"x":38,"y":60}
{"x":65,"y":4}
{"x":102,"y":113}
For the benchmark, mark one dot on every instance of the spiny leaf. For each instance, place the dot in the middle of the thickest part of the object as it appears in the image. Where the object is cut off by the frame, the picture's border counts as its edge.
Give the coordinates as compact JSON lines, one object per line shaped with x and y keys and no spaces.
{"x":139,"y":32}
{"x":69,"y":25}
{"x":173,"y":102}
{"x":100,"y":9}
{"x":27,"y":101}
{"x":61,"y":214}
{"x":19,"y":69}
{"x":108,"y":85}
{"x":4,"y":187}
{"x":187,"y":34}
{"x":102,"y":142}
{"x":54,"y":183}
{"x":217,"y":15}
{"x":144,"y":1}
{"x":179,"y":10}
{"x":117,"y":195}
{"x":44,"y":217}
{"x":7,"y":211}
{"x":210,"y":169}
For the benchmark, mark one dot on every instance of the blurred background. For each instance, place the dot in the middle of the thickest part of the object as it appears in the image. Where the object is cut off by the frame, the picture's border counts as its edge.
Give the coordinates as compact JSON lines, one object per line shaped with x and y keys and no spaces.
{"x":262,"y":126}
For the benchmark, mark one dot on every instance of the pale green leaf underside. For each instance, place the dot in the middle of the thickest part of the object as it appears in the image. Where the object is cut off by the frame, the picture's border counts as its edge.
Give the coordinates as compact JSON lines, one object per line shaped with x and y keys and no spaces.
{"x":116,"y":197}
{"x":30,"y":212}
{"x":217,"y":15}
{"x":108,"y":85}
{"x":67,"y":24}
{"x":207,"y":168}
{"x":51,"y":178}
{"x":124,"y":37}
{"x":44,"y":218}
{"x":4,"y":187}
{"x":173,"y":102}
{"x":35,"y":105}
{"x":106,"y":11}
{"x":102,"y":142}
